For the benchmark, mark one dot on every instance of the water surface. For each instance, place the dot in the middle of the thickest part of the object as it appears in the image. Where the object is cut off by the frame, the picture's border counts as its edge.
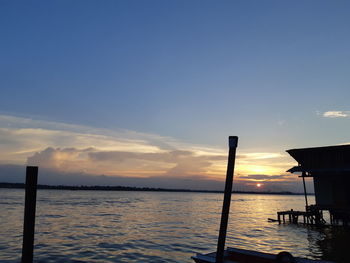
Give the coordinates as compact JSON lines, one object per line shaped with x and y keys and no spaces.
{"x":117,"y":226}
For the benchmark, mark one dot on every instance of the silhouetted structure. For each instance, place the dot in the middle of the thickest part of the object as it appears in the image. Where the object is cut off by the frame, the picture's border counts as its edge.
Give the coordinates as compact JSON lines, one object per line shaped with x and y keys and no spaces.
{"x":330,"y":169}
{"x":29,"y":214}
{"x":233,"y":140}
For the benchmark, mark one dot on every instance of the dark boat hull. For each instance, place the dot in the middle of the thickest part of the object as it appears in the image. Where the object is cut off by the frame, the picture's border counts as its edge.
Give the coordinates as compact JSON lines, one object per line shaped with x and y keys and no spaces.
{"x":235,"y":255}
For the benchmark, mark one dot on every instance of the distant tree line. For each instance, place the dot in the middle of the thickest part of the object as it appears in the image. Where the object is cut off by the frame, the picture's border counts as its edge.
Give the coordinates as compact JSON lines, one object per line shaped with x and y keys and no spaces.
{"x":130,"y":188}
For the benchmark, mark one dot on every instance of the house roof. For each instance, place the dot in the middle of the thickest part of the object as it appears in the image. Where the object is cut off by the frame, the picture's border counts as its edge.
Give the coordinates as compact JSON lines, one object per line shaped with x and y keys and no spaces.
{"x":335,"y":159}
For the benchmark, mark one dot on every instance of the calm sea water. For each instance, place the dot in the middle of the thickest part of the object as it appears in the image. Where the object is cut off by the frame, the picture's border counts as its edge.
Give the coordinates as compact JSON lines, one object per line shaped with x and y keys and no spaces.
{"x":102,"y":226}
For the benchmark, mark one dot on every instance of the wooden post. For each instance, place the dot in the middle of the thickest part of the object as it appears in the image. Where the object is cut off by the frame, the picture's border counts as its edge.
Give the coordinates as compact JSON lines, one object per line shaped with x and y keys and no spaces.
{"x":305,"y":194}
{"x":233,"y":140}
{"x":29,"y":214}
{"x":331,"y":218}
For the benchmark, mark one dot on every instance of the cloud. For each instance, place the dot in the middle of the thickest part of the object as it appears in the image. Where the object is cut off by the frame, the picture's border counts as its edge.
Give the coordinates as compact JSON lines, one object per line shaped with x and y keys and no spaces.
{"x":259,"y":155}
{"x":21,"y":137}
{"x":336,"y":114}
{"x":273,"y":183}
{"x":66,"y":159}
{"x":177,"y":163}
{"x":54,"y":177}
{"x":74,"y":149}
{"x":264,"y":177}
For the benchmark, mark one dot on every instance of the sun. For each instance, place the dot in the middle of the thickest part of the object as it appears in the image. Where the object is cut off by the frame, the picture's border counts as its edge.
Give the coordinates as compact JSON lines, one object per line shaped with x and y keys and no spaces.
{"x":258,"y":185}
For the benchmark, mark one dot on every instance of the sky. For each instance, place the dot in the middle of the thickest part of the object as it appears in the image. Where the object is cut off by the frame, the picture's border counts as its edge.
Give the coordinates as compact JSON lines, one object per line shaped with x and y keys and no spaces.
{"x":146,"y":93}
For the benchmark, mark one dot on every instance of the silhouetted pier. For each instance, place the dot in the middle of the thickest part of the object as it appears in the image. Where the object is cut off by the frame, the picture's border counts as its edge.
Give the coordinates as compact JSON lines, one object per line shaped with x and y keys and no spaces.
{"x":311,"y":217}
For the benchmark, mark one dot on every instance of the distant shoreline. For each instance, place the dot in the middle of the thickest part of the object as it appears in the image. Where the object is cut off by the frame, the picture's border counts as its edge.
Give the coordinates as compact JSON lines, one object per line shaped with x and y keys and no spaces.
{"x":129,"y":188}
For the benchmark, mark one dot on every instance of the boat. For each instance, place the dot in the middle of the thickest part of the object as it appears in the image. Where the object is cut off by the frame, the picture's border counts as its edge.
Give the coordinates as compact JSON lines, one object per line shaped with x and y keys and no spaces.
{"x":237,"y":255}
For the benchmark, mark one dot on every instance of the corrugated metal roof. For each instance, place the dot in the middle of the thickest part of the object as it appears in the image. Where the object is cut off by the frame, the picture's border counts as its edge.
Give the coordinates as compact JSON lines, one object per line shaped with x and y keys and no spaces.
{"x":328,"y":158}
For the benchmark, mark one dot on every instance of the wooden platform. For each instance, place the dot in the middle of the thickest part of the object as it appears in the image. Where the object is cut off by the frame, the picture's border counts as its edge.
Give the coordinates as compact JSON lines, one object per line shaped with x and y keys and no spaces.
{"x":312,"y":217}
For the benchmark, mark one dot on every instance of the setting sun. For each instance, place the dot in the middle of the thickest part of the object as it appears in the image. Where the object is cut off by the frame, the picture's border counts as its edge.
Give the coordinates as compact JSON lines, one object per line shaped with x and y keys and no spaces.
{"x":258,"y":185}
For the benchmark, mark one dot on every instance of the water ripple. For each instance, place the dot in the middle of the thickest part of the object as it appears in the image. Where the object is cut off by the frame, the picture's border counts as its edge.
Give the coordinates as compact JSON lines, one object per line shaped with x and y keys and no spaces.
{"x":99,"y":226}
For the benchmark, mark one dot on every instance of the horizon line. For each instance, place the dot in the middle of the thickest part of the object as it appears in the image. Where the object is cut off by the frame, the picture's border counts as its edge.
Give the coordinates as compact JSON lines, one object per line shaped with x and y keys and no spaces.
{"x":7,"y":185}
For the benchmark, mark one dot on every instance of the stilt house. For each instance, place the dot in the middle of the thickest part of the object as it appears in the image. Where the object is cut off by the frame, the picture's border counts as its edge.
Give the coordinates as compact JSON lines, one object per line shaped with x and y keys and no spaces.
{"x":330,"y":168}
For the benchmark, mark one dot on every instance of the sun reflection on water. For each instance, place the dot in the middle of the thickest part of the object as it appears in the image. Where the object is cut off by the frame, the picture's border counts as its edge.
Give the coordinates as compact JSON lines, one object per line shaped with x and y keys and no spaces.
{"x":97,"y":226}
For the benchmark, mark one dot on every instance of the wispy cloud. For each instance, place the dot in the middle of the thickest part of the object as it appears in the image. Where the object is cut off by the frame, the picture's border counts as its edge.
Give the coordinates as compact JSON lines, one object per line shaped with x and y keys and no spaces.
{"x":260,"y":155}
{"x":264,"y":177}
{"x":74,"y":148}
{"x":336,"y":114}
{"x":68,"y":148}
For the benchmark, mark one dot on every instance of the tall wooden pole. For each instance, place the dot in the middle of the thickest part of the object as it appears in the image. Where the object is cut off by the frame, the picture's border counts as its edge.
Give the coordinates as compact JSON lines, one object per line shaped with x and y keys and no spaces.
{"x":305,"y":194}
{"x":233,"y":140}
{"x":29,"y":214}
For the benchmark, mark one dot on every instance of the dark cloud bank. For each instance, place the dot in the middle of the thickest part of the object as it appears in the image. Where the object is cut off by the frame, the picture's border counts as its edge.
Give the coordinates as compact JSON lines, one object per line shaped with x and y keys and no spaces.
{"x":16,"y":174}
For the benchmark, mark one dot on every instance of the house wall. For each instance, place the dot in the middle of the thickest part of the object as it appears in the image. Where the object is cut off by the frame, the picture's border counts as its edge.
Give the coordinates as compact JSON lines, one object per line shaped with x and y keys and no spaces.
{"x":323,"y":191}
{"x":333,"y":191}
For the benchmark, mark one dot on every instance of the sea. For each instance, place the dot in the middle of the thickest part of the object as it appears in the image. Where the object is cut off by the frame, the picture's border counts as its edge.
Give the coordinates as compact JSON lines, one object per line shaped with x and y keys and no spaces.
{"x":127,"y":226}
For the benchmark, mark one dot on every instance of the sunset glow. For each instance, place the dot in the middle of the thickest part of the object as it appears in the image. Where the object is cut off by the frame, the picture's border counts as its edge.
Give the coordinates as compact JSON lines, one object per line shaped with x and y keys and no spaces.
{"x":152,"y":91}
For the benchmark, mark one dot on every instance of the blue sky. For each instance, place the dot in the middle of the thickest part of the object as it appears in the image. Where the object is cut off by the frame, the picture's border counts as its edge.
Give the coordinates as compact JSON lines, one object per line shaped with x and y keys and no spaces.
{"x":275,"y":73}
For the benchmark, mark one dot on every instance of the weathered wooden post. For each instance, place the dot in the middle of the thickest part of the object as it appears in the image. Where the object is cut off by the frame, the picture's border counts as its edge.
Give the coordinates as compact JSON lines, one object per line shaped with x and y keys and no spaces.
{"x":29,"y":214}
{"x":305,"y":194}
{"x":233,"y":140}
